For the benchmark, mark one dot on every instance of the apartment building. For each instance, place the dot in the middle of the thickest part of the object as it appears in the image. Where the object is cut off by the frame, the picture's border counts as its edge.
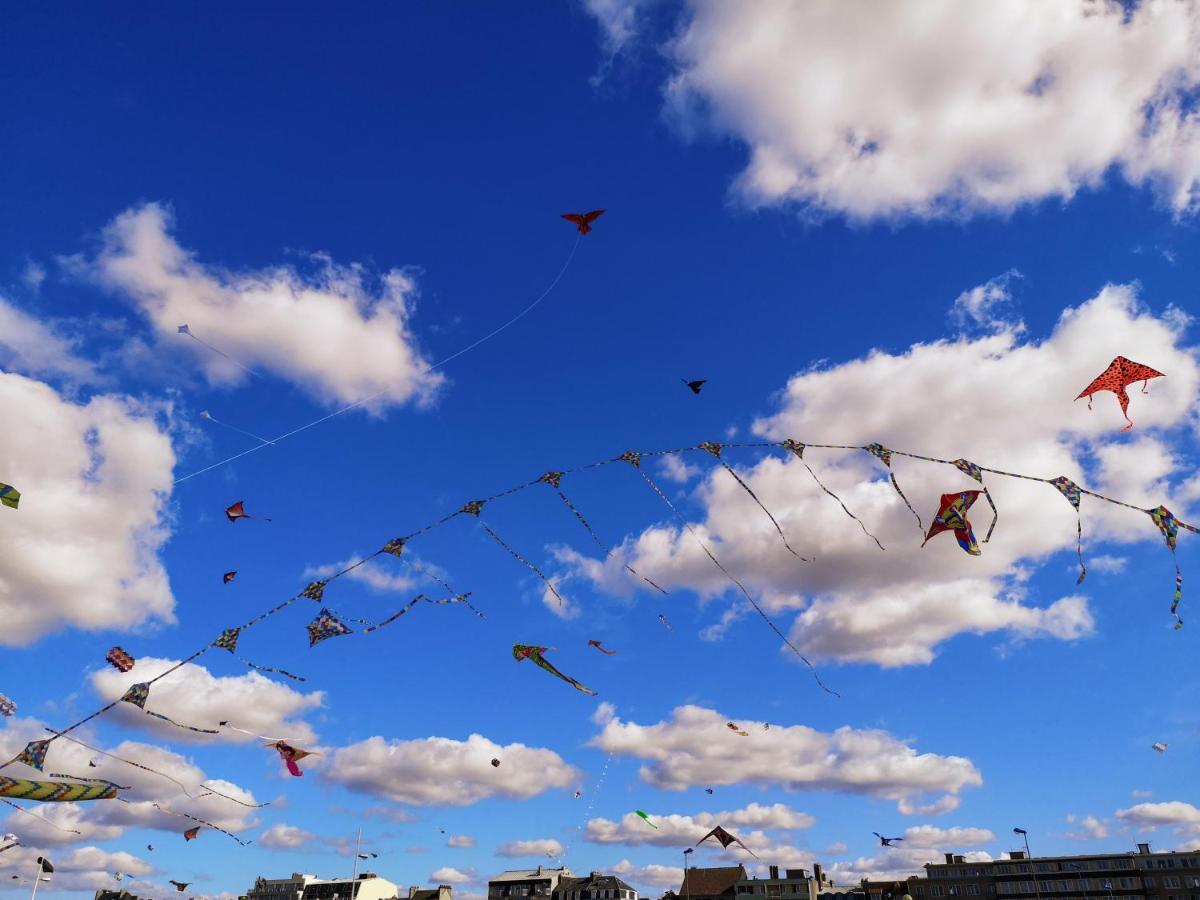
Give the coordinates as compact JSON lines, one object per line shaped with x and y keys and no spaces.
{"x":520,"y":883}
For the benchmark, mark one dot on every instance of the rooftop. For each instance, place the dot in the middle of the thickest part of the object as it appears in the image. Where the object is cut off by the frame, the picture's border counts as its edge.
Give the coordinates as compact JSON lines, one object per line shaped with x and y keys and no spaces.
{"x":527,"y":874}
{"x":707,"y":882}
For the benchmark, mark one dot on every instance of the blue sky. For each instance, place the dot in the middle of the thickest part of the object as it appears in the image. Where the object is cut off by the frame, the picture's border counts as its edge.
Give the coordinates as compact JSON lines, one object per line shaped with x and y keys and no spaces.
{"x":849,"y":246}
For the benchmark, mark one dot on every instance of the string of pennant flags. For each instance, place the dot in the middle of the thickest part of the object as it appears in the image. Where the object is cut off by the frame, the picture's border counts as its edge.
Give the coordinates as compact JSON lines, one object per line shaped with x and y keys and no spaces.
{"x":952,"y":515}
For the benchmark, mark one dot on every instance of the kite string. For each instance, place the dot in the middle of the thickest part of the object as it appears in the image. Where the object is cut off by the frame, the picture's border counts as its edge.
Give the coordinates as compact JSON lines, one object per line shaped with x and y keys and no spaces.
{"x":357,"y":403}
{"x":519,"y":558}
{"x":738,"y":584}
{"x":28,"y":812}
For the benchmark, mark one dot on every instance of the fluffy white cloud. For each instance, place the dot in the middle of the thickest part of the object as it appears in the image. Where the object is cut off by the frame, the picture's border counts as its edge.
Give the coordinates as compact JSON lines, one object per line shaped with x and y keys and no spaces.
{"x":894,"y":863}
{"x":943,"y":108}
{"x":1093,"y":828}
{"x":677,"y":469}
{"x":82,"y":549}
{"x":694,"y":748}
{"x":618,"y":21}
{"x":285,"y":837}
{"x":1151,"y":815}
{"x":987,"y":306}
{"x":328,"y":332}
{"x":930,"y":836}
{"x":194,"y":696}
{"x":539,"y":847}
{"x":440,"y":771}
{"x":653,"y":874}
{"x":29,"y":346}
{"x":448,"y":875}
{"x":674,"y":829}
{"x":460,"y":840}
{"x":80,"y":870}
{"x":987,"y":399}
{"x":104,"y":820}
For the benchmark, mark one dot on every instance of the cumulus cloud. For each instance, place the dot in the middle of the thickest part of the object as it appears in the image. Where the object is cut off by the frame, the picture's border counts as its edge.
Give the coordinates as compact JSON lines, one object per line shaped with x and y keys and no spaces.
{"x":195,"y":696}
{"x":460,"y":840}
{"x":82,"y":550}
{"x":988,"y":399}
{"x":31,"y":347}
{"x":1090,"y":828}
{"x":943,"y":108}
{"x":448,"y":875}
{"x":81,"y":870}
{"x":618,"y":21}
{"x":331,"y":332}
{"x":1151,"y":815}
{"x":539,"y":847}
{"x":988,"y":306}
{"x":106,"y":821}
{"x":285,"y":837}
{"x":674,"y":467}
{"x":653,"y":874}
{"x":439,"y":771}
{"x":925,"y":836}
{"x":372,"y":574}
{"x":671,"y":830}
{"x":694,"y":748}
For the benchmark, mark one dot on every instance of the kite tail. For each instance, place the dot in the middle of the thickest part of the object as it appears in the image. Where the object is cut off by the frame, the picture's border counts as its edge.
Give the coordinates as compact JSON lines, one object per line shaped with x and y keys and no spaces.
{"x":595,"y":537}
{"x":745,"y":593}
{"x":1079,"y":547}
{"x":392,"y":618}
{"x":746,"y":488}
{"x":892,"y":476}
{"x":843,"y":505}
{"x":180,"y":724}
{"x":523,"y":561}
{"x":995,"y":514}
{"x":171,"y":812}
{"x":27,"y":812}
{"x":461,"y":598}
{"x":256,"y":666}
{"x":1178,"y":593}
{"x":549,"y":667}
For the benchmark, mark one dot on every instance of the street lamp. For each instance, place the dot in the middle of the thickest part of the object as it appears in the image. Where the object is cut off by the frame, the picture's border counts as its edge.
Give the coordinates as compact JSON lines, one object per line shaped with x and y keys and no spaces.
{"x":1029,"y":856}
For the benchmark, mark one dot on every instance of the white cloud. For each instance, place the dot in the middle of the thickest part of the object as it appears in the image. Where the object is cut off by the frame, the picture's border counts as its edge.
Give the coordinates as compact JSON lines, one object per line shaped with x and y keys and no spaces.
{"x":33,"y":276}
{"x":194,"y":696}
{"x":440,"y":771}
{"x":1141,"y":795}
{"x":285,"y":837}
{"x":448,"y":875}
{"x":988,"y":306}
{"x":1108,"y":564}
{"x":1092,"y":828}
{"x":673,"y":829}
{"x":372,"y":574}
{"x":82,"y":549}
{"x":328,"y":332}
{"x":653,"y":874}
{"x":1151,"y":815}
{"x":539,"y":847}
{"x":31,"y":347}
{"x":943,"y":108}
{"x":674,"y":467}
{"x":82,"y":870}
{"x":618,"y":20}
{"x":994,"y":399}
{"x":694,"y":748}
{"x":460,"y":840}
{"x":925,"y":836}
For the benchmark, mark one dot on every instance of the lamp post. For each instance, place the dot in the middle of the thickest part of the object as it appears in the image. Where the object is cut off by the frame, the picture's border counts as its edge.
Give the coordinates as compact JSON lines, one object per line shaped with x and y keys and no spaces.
{"x":687,"y":889}
{"x":1029,"y":856}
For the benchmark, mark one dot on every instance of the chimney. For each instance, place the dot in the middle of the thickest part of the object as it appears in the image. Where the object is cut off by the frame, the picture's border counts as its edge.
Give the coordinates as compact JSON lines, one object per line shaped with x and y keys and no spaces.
{"x":818,"y":874}
{"x":1144,"y":849}
{"x":412,"y":891}
{"x":1016,"y":854}
{"x":539,"y":870}
{"x":774,"y":870}
{"x":949,"y":859}
{"x":960,"y":860}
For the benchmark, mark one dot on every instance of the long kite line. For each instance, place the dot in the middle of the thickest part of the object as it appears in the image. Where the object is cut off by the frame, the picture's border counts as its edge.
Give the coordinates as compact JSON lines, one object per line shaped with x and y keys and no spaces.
{"x":1166,"y":522}
{"x":437,"y":365}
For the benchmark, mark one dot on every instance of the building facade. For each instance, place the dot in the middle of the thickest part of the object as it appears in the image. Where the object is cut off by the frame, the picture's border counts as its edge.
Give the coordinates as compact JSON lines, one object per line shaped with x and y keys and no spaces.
{"x":793,"y":884}
{"x":301,"y":886}
{"x":1143,"y":875}
{"x":715,"y":883}
{"x":594,"y":887}
{"x":518,"y":883}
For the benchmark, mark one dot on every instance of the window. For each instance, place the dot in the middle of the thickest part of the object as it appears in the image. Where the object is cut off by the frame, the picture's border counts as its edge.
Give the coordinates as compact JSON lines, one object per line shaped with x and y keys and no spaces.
{"x":772,"y":890}
{"x":972,"y":890}
{"x":1148,"y":881}
{"x":1170,"y":882}
{"x":935,"y":890}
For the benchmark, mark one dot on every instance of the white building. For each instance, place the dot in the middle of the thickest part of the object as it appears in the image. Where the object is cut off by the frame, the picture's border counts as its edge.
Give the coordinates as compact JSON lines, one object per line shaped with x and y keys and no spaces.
{"x":518,"y":883}
{"x":300,"y":886}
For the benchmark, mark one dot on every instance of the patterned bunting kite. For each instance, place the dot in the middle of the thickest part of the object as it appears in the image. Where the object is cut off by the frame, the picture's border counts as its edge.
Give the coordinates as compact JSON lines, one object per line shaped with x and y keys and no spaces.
{"x":227,"y":640}
{"x":1121,"y":373}
{"x":325,"y":626}
{"x":725,"y":838}
{"x":474,"y":508}
{"x":798,"y":448}
{"x":971,"y":470}
{"x":138,"y":694}
{"x":952,"y":516}
{"x":55,"y":791}
{"x":715,"y":449}
{"x":884,"y":455}
{"x":9,"y":496}
{"x":1169,"y":526}
{"x":119,"y":659}
{"x":1074,"y":494}
{"x":528,"y":651}
{"x":34,"y":754}
{"x":7,"y":707}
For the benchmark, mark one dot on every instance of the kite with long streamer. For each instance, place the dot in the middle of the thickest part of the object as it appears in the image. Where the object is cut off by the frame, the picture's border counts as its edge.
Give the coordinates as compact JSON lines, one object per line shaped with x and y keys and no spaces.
{"x":325,"y":626}
{"x":1169,"y":526}
{"x":474,"y":508}
{"x":191,"y":833}
{"x":529,"y":651}
{"x":1073,"y":494}
{"x":209,"y":417}
{"x":715,"y":449}
{"x":138,"y":694}
{"x":884,"y":455}
{"x":971,"y":470}
{"x":554,"y":479}
{"x":646,"y":817}
{"x":228,"y":639}
{"x":599,"y":646}
{"x":290,"y":755}
{"x":798,"y":449}
{"x":185,"y":330}
{"x":55,"y":791}
{"x":952,"y":516}
{"x":236,"y":511}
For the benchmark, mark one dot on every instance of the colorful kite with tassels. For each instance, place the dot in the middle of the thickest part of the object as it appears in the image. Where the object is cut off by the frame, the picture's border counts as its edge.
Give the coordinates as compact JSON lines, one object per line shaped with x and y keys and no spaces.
{"x":528,"y":651}
{"x":1121,"y":373}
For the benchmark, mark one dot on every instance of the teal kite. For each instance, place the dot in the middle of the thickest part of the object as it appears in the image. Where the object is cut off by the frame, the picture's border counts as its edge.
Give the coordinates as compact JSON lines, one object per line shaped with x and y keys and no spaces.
{"x":9,"y":495}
